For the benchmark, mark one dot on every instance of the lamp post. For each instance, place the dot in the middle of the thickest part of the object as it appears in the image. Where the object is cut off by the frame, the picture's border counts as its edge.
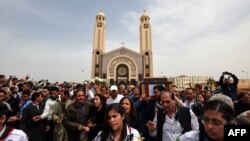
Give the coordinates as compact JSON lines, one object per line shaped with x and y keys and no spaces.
{"x":246,"y":78}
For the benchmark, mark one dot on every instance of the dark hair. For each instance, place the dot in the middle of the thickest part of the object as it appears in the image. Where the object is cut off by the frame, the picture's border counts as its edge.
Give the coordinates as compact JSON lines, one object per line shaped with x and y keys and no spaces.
{"x":35,"y":95}
{"x":226,"y":111}
{"x":66,"y":92}
{"x":28,"y":84}
{"x":137,"y":87}
{"x":104,"y":87}
{"x":13,"y":79}
{"x":106,"y":127}
{"x":78,"y":91}
{"x":45,"y":87}
{"x":4,"y":110}
{"x":159,"y":87}
{"x":217,"y":82}
{"x":2,"y":76}
{"x":27,"y":92}
{"x":53,"y":88}
{"x":102,"y":98}
{"x":78,"y":86}
{"x":132,"y":112}
{"x":12,"y":89}
{"x":174,"y":86}
{"x":3,"y":91}
{"x":242,"y":94}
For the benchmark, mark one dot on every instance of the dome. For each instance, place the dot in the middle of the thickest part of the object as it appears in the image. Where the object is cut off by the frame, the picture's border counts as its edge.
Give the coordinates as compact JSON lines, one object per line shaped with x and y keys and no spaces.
{"x":101,"y":14}
{"x":145,"y":14}
{"x":145,"y":17}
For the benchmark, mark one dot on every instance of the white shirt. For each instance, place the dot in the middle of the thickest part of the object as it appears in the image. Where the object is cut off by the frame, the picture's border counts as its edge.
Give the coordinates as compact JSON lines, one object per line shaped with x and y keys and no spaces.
{"x":190,"y":136}
{"x":47,"y":112}
{"x":189,"y":105}
{"x":15,"y":135}
{"x":130,"y":131}
{"x":172,"y":128}
{"x":90,"y":94}
{"x":116,"y":100}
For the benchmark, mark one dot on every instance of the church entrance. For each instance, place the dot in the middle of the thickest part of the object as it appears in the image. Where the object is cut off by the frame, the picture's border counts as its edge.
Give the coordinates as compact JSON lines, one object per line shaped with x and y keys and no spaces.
{"x":122,"y":74}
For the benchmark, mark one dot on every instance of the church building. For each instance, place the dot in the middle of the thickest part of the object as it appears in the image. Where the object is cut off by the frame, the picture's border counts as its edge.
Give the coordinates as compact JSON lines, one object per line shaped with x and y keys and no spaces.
{"x":122,"y":65}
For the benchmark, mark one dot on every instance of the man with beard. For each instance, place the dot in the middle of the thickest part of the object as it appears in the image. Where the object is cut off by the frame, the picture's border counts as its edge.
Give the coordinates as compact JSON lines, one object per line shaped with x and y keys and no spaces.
{"x":48,"y":111}
{"x":114,"y":96}
{"x":189,"y":97}
{"x":75,"y":119}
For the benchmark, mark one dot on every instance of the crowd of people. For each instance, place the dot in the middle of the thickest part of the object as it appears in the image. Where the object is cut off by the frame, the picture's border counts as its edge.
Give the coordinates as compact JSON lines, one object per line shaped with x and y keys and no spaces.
{"x":95,"y":111}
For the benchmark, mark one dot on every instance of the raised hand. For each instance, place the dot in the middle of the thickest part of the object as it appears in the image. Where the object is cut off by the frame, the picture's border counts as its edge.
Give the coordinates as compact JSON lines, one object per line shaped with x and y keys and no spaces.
{"x":151,"y":126}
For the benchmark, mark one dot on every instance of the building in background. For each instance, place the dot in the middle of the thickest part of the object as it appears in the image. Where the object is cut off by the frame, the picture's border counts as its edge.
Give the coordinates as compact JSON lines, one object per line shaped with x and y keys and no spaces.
{"x":122,"y":65}
{"x":183,"y":81}
{"x":244,"y":84}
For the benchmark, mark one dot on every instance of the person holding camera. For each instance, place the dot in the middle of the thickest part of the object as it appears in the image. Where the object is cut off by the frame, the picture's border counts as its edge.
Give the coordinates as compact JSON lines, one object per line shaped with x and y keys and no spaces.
{"x":229,"y":88}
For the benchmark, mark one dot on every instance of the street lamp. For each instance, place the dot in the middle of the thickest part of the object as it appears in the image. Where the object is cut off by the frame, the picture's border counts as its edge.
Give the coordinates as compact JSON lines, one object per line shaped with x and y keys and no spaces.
{"x":246,"y":78}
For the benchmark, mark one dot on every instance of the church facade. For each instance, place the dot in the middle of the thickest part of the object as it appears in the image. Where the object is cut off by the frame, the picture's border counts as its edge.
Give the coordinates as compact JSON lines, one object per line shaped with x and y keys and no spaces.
{"x":122,"y":65}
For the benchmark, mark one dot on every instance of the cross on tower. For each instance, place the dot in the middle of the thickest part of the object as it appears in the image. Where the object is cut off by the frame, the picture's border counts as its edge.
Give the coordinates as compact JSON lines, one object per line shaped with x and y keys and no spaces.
{"x":122,"y":44}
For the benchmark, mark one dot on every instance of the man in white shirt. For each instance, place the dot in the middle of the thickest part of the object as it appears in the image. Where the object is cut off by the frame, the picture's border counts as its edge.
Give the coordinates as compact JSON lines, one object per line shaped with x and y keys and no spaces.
{"x":91,"y":91}
{"x":170,"y":122}
{"x":114,"y":96}
{"x":189,"y":97}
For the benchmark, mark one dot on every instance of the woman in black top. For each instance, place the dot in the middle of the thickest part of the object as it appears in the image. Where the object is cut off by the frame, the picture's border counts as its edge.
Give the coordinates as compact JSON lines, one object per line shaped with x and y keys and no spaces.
{"x":97,"y":112}
{"x":132,"y":118}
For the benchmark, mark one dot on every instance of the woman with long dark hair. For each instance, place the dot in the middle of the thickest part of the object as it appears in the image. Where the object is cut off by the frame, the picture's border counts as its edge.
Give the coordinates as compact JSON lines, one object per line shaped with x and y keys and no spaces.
{"x":97,"y":112}
{"x":132,"y":117}
{"x":115,"y":127}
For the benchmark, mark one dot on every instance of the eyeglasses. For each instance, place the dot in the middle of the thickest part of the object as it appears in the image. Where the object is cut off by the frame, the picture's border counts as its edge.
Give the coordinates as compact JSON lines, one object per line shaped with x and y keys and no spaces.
{"x":213,"y":122}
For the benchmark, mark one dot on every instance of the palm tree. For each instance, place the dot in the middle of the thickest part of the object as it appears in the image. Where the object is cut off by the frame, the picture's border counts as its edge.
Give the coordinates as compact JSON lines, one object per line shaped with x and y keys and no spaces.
{"x":210,"y":82}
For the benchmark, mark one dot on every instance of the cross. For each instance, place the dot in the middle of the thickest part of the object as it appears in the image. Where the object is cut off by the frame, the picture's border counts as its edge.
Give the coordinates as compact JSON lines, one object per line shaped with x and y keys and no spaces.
{"x":122,"y":44}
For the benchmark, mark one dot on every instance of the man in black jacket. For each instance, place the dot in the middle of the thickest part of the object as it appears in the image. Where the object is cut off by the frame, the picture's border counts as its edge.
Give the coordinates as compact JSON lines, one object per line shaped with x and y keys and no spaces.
{"x":172,"y":121}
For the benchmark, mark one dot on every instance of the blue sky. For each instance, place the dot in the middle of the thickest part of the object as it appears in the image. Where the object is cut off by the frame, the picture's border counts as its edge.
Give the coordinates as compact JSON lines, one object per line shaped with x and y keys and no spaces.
{"x":53,"y":39}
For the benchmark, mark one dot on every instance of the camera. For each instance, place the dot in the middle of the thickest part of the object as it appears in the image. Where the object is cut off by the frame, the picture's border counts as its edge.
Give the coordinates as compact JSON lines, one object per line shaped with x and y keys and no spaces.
{"x":27,"y":77}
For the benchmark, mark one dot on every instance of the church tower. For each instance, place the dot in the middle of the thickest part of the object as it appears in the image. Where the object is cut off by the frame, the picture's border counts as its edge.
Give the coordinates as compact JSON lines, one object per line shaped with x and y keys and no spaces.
{"x":98,"y":45}
{"x":122,"y":65}
{"x":146,"y":45}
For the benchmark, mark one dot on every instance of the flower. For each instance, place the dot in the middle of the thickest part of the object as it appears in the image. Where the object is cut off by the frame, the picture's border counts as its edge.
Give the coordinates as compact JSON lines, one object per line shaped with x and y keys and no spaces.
{"x":138,"y":139}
